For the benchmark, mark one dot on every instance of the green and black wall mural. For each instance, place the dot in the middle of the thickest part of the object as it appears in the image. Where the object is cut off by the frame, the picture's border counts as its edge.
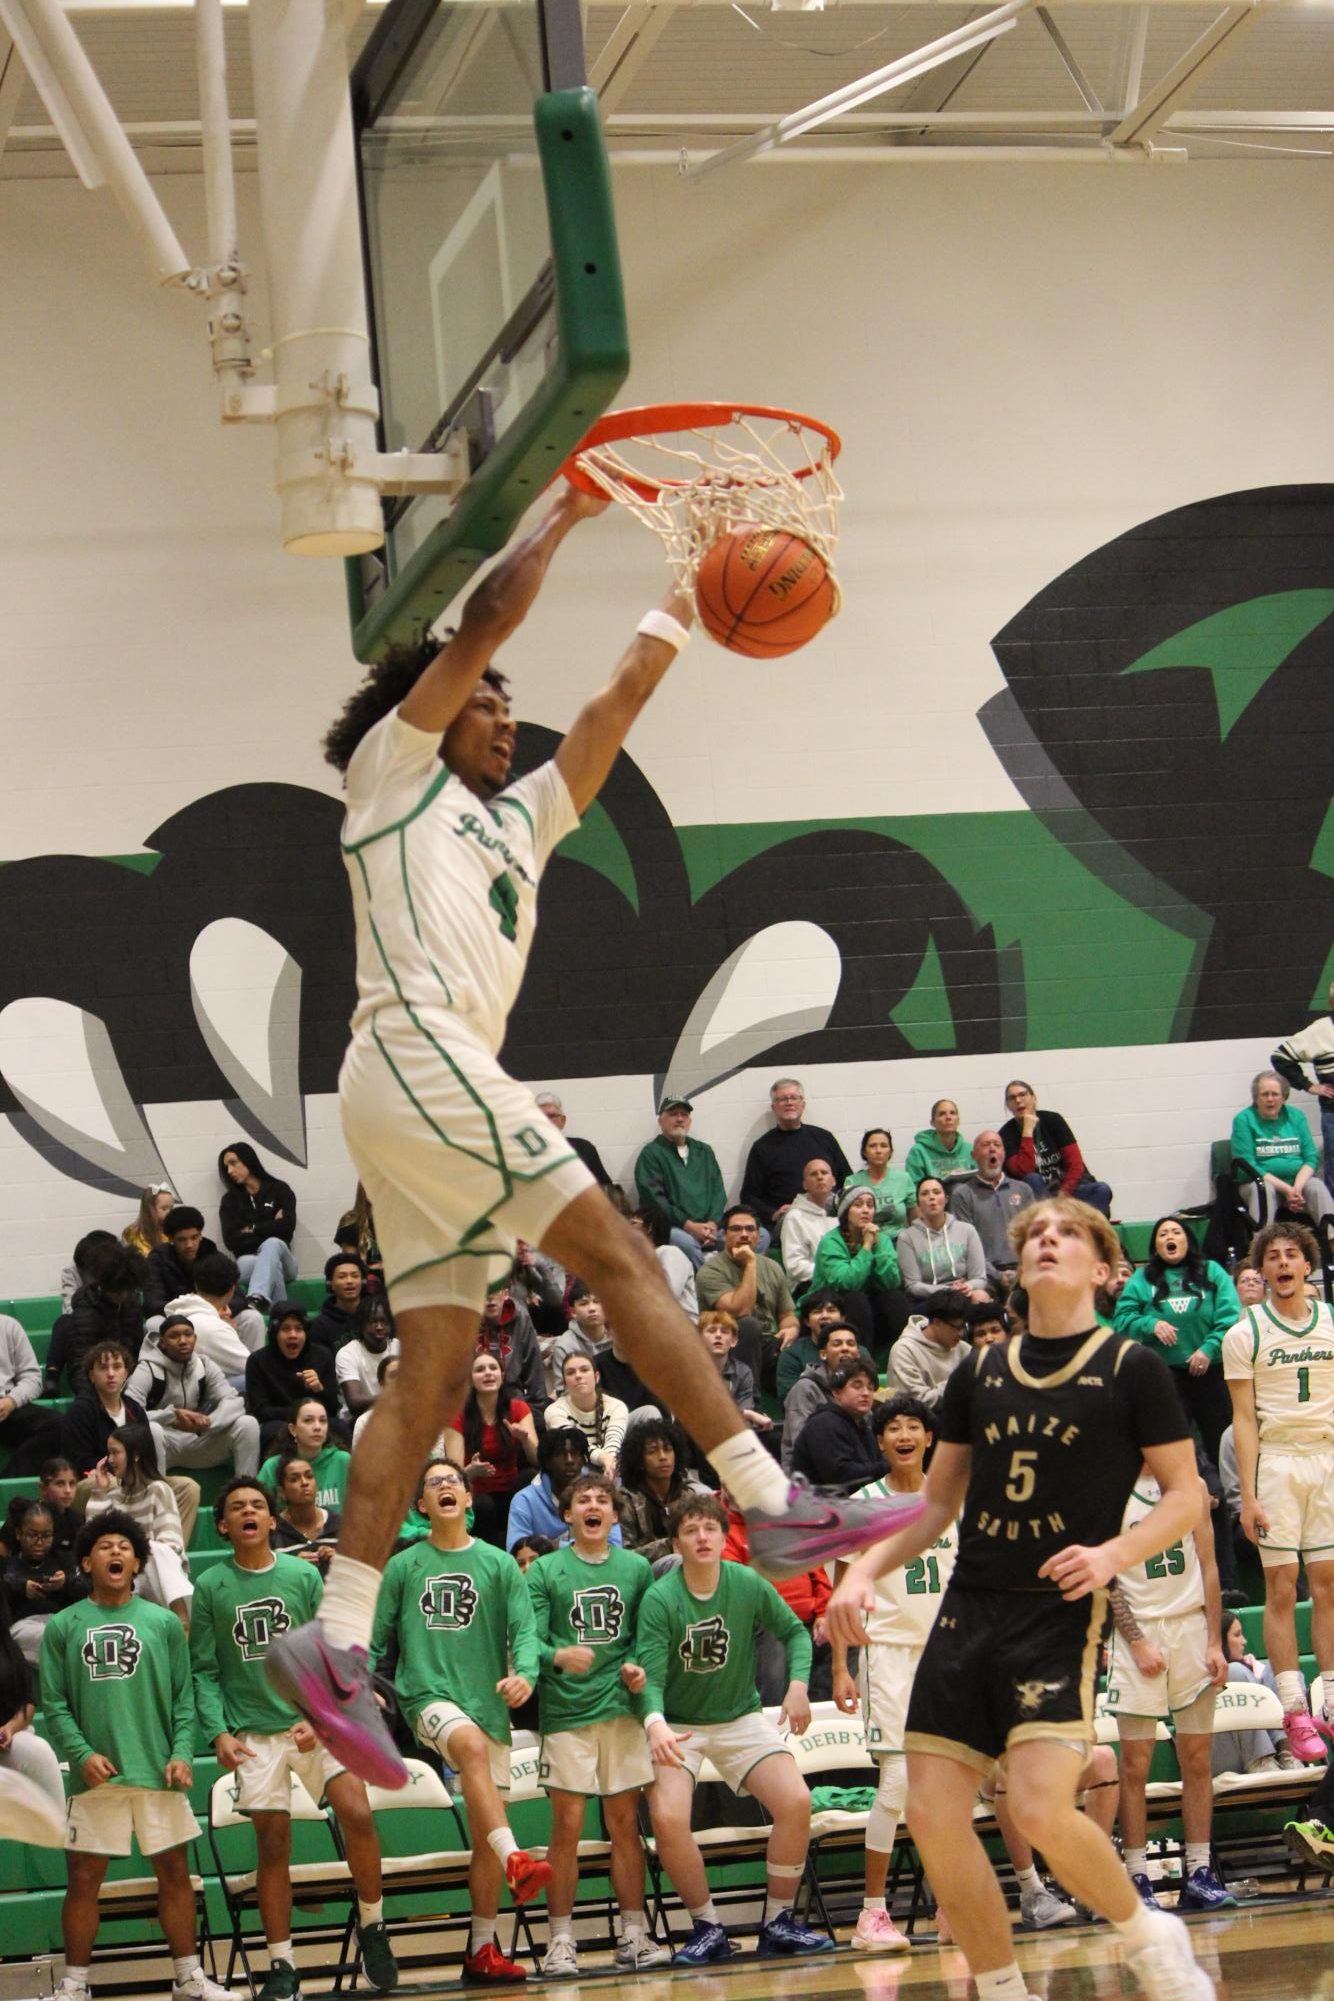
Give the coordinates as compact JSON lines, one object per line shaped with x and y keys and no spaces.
{"x":1167,"y":717}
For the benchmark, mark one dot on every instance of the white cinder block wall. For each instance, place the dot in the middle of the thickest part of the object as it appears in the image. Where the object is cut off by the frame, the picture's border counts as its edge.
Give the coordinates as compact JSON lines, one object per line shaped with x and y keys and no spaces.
{"x":1025,"y":363}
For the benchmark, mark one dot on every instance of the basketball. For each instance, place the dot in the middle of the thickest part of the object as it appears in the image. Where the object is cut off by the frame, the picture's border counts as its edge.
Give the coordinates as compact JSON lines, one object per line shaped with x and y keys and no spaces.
{"x":764,"y":592}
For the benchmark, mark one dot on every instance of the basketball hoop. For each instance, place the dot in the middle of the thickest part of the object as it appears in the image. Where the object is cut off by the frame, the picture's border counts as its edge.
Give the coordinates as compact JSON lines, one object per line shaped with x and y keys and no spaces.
{"x":693,"y":472}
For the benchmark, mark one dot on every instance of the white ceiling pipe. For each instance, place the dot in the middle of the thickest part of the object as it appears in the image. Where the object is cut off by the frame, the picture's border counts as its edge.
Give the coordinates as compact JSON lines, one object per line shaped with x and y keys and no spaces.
{"x":326,"y":404}
{"x":225,"y":277}
{"x":79,"y":108}
{"x":851,"y":96}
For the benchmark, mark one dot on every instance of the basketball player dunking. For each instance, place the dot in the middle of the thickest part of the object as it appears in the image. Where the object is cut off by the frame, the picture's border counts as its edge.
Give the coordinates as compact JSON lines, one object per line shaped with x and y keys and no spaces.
{"x":1039,"y":1445}
{"x":444,"y":855}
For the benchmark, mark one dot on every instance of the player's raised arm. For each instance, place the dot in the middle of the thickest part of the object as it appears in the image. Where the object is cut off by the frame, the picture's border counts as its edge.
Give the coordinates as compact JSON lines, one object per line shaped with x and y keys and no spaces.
{"x":594,"y":741}
{"x":496,"y":608}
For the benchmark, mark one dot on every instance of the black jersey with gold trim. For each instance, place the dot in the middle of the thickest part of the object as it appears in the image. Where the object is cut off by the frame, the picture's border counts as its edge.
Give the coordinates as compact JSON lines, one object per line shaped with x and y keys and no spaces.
{"x":1057,"y":1431}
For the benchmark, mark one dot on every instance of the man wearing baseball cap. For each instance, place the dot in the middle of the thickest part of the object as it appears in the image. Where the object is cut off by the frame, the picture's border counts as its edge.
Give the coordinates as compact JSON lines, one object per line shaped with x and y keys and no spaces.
{"x":681,"y":1176}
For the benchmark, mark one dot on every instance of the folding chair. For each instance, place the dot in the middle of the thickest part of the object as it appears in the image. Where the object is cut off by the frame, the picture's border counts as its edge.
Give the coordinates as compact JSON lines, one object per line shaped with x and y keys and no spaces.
{"x":834,"y":1743}
{"x":421,"y":1856}
{"x":315,"y":1880}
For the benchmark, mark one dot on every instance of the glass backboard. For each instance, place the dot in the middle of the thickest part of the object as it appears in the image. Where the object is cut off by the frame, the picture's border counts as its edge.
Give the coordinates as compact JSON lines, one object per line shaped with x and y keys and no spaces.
{"x":493,"y":277}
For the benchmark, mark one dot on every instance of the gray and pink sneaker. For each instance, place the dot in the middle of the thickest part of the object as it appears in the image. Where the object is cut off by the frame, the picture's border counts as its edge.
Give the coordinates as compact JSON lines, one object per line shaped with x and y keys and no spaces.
{"x":331,"y":1686}
{"x":815,"y":1527}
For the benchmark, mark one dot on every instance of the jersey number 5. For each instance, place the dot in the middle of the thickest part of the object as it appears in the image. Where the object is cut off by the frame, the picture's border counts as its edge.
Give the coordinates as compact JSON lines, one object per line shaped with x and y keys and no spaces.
{"x":504,"y":900}
{"x":1023,"y":1477}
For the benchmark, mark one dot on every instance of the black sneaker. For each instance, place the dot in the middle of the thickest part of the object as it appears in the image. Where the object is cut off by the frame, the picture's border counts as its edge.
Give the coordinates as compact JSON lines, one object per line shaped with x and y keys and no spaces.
{"x":282,"y":1983}
{"x":377,"y":1956}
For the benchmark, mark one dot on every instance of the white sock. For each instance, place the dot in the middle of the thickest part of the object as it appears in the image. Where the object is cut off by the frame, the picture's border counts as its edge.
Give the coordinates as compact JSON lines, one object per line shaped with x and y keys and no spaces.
{"x":183,"y":1968}
{"x":1327,"y":1691}
{"x":704,"y":1914}
{"x":561,"y":1927}
{"x":635,"y":1922}
{"x":347,"y":1609}
{"x":1005,"y":1984}
{"x":280,"y":1948}
{"x":83,"y":1974}
{"x":369,"y":1913}
{"x":483,"y":1933}
{"x":502,"y":1844}
{"x":1136,"y":1861}
{"x":1290,"y":1690}
{"x":1137,"y":1930}
{"x":1197,"y":1856}
{"x":873,"y":1904}
{"x":751,"y":1475}
{"x":1028,"y":1879}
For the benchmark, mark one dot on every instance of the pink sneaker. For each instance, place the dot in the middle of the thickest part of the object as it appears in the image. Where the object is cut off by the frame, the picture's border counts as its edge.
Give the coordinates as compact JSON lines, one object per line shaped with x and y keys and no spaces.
{"x":1306,"y":1737}
{"x":876,"y":1931}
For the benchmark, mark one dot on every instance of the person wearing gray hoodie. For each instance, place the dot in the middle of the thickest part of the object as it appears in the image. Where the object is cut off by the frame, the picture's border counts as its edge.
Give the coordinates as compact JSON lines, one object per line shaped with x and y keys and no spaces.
{"x":930,"y":1349}
{"x":938,"y":1251}
{"x":197,"y":1417}
{"x":838,"y":1345}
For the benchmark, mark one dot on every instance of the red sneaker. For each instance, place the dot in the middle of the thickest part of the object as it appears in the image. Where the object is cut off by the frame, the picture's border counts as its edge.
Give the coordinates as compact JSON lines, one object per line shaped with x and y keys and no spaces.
{"x":526,"y":1876}
{"x":489,"y":1967}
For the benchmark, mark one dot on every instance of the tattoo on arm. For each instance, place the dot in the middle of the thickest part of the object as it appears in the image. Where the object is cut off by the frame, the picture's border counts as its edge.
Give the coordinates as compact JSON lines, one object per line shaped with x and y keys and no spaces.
{"x":1123,"y":1618}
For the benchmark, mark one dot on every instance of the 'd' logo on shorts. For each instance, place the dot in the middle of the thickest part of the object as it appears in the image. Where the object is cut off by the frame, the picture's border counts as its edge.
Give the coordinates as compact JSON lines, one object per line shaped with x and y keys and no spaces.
{"x":449,"y":1602}
{"x":111,"y":1653}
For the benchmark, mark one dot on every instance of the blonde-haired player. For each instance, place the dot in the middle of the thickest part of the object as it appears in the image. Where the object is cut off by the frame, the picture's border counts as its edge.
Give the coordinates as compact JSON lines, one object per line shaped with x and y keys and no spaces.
{"x":1278,"y":1362}
{"x":1167,"y":1661}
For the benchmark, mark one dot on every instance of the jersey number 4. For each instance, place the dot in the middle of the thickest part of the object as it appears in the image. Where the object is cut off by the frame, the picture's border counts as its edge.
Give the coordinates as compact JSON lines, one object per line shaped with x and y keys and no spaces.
{"x":504,"y":900}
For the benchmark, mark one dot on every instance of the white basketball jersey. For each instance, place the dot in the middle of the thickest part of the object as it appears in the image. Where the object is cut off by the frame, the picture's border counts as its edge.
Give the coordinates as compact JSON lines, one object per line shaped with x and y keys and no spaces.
{"x":1292,"y":1369}
{"x":907,"y":1601}
{"x":444,"y":884}
{"x":1166,"y":1585}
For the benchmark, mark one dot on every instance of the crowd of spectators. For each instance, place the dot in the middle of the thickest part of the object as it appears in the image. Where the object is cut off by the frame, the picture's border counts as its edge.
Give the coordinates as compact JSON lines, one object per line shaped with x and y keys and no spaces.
{"x":822,"y":1288}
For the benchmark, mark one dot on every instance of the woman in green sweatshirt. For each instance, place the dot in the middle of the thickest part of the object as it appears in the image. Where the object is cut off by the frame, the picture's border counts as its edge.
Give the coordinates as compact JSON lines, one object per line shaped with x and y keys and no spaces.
{"x":1182,"y":1304}
{"x":940,"y":1148}
{"x":858,"y":1262}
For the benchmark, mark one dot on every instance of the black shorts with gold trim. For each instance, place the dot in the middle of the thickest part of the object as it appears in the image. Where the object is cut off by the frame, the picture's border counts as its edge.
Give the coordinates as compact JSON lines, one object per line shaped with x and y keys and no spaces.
{"x":1003,"y":1666}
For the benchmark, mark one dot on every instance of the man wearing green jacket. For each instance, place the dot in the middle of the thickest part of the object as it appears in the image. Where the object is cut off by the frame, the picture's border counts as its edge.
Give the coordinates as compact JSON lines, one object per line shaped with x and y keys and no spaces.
{"x":681,"y":1176}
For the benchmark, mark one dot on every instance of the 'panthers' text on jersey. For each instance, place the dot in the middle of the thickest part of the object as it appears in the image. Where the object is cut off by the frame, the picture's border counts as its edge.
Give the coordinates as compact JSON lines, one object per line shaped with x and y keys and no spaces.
{"x":1057,"y":1431}
{"x":444,"y":884}
{"x":1291,"y":1365}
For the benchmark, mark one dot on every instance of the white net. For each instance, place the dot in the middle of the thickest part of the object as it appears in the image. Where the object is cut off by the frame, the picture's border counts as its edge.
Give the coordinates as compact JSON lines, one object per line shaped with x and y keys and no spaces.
{"x":693,"y":486}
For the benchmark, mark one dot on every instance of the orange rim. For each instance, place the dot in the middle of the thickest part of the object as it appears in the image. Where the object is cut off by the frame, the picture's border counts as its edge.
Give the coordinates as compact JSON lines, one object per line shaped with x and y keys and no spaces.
{"x":654,"y":418}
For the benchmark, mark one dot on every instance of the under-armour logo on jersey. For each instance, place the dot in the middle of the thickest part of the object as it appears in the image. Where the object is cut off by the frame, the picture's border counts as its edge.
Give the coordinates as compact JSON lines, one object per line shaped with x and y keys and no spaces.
{"x":705,"y":1647}
{"x":1031,"y":1695}
{"x":449,"y":1602}
{"x":597,"y":1614}
{"x":256,"y":1624}
{"x":111,"y":1653}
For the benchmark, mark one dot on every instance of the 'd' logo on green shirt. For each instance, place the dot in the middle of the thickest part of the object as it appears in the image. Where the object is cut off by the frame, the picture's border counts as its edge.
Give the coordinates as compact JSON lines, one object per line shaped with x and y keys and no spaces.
{"x":597,"y":1614}
{"x":449,"y":1602}
{"x":111,"y":1653}
{"x":705,"y":1647}
{"x":256,"y":1624}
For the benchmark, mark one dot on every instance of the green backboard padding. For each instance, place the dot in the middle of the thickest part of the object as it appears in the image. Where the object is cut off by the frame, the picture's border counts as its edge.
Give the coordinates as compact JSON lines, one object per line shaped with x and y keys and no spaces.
{"x":593,"y":359}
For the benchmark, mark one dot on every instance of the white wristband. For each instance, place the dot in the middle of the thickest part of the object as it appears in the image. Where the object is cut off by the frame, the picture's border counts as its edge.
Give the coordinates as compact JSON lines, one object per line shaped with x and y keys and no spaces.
{"x":656,"y":1717}
{"x":657,"y":624}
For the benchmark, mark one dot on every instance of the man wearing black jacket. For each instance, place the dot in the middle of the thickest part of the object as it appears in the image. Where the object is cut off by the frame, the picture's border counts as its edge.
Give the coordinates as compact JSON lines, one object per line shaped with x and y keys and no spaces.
{"x":291,"y":1364}
{"x":336,"y":1322}
{"x":777,"y":1160}
{"x":836,"y":1447}
{"x":106,"y":1308}
{"x":170,"y":1269}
